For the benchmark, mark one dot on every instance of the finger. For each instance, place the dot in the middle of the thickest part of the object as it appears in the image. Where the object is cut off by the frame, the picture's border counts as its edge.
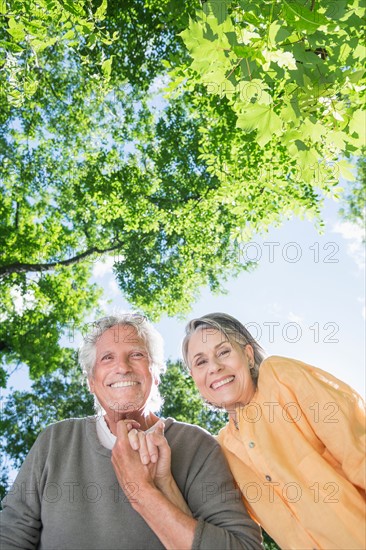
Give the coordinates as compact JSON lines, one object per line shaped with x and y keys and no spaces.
{"x":159,"y":427}
{"x":132,"y":424}
{"x":143,"y":450}
{"x":152,"y":448}
{"x":134,"y":439}
{"x":157,"y":435}
{"x":122,"y":432}
{"x":161,"y":443}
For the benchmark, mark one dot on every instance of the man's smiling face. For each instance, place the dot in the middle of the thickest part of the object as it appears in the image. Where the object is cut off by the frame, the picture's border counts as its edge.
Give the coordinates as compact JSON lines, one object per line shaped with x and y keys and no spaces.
{"x":121,"y":378}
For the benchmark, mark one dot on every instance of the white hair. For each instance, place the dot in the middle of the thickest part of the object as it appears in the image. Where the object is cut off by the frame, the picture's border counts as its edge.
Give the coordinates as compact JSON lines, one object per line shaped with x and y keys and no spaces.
{"x":145,"y":330}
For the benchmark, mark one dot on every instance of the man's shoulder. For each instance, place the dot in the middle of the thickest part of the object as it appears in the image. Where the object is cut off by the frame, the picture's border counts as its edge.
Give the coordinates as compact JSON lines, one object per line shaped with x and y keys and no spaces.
{"x":188,"y":434}
{"x":172,"y":423}
{"x":65,"y":428}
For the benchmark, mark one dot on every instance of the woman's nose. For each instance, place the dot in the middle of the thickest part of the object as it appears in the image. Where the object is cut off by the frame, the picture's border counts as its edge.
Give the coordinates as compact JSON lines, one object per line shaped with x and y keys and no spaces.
{"x":215,"y":365}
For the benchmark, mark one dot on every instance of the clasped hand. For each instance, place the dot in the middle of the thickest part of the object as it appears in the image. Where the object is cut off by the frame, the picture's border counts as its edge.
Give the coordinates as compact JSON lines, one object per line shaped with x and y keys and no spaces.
{"x":141,"y":458}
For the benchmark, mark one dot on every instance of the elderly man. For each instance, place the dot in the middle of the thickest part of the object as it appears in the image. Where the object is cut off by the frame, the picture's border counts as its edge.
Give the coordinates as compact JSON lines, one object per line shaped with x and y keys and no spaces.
{"x":90,"y":484}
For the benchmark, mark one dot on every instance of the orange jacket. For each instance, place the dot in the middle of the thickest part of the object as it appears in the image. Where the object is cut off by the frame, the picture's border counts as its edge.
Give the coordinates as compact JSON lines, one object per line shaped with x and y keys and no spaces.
{"x":298,"y":456}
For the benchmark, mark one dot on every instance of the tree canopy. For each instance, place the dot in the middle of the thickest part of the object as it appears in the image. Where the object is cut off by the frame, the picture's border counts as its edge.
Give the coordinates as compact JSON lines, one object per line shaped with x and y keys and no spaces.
{"x":355,"y":208}
{"x":291,"y":73}
{"x":164,"y":135}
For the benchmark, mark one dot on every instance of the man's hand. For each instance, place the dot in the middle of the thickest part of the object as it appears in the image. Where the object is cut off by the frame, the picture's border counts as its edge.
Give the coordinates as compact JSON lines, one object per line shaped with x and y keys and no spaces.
{"x":154,"y":450}
{"x":129,"y":469}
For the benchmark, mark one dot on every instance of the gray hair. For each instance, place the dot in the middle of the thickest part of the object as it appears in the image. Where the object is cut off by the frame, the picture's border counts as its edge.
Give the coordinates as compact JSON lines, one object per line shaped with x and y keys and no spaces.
{"x":144,"y":329}
{"x":232,"y":329}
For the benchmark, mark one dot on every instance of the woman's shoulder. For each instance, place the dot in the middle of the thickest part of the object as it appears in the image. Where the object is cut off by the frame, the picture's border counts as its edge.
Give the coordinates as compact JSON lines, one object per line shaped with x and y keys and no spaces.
{"x":300,"y":376}
{"x":280,"y":366}
{"x":278,"y":374}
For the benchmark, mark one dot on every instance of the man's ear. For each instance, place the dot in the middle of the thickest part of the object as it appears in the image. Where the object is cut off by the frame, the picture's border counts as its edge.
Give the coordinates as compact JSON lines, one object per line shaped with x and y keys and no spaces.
{"x":91,"y":384}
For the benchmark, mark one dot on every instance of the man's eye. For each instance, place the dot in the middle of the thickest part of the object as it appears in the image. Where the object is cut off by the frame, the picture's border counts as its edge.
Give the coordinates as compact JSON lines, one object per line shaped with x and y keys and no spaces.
{"x":106,"y":357}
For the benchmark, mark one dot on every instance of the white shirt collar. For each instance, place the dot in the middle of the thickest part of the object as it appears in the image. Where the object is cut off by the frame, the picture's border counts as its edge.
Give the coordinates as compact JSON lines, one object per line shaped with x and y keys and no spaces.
{"x":105,"y":436}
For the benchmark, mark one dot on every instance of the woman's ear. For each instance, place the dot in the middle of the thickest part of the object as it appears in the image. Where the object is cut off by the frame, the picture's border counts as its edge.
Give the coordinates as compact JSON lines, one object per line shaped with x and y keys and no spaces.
{"x":249,"y":352}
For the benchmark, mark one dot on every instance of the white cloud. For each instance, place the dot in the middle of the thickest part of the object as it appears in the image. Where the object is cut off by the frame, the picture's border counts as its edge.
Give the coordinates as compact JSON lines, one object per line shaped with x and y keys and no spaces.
{"x":349,"y":230}
{"x":21,"y":302}
{"x":363,"y":308}
{"x":103,"y":267}
{"x":113,"y":287}
{"x":355,"y":235}
{"x":159,"y":83}
{"x":275,"y":309}
{"x":295,"y":318}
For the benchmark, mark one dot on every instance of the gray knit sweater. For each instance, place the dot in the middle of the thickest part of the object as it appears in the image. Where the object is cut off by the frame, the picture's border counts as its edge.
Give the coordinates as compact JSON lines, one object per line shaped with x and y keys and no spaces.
{"x":66,"y":495}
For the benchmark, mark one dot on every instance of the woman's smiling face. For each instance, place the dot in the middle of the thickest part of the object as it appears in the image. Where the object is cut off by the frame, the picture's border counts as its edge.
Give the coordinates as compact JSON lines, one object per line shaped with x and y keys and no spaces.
{"x":220,"y":368}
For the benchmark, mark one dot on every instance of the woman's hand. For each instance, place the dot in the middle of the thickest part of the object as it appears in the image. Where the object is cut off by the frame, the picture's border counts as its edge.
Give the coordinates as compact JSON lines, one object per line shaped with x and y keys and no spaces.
{"x":155,"y":454}
{"x":133,"y":476}
{"x":154,"y":450}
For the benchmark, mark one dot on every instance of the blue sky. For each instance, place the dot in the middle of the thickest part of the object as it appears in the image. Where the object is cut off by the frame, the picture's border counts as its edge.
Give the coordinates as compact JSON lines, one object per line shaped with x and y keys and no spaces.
{"x":306,"y":298}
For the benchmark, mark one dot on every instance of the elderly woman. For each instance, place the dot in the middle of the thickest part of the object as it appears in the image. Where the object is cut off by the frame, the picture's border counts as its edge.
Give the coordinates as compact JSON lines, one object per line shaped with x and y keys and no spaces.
{"x":84,"y":486}
{"x":295,"y":440}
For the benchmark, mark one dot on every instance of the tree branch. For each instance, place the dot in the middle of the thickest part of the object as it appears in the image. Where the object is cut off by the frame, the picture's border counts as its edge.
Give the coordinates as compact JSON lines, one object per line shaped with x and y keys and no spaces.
{"x":19,"y":267}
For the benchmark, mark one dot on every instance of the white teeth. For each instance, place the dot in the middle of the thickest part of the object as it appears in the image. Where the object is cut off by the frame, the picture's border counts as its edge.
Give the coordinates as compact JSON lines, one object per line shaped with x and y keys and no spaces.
{"x":123,"y":384}
{"x":216,"y":385}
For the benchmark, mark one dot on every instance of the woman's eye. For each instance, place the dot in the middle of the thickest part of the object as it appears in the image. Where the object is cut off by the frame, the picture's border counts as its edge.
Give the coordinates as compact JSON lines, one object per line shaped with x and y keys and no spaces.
{"x":224,"y":352}
{"x":201,"y":363}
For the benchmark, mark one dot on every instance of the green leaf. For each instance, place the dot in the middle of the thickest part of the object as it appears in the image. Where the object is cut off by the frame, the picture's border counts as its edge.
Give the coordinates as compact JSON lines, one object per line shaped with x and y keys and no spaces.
{"x":30,"y":86}
{"x":263,"y":119}
{"x":101,"y":11}
{"x":41,"y":45}
{"x":11,"y":46}
{"x":72,"y":7}
{"x":314,"y":132}
{"x":356,"y":76}
{"x":107,"y":67}
{"x":277,"y":33}
{"x":345,"y":169}
{"x":217,"y":9}
{"x":69,"y":35}
{"x":358,"y":124}
{"x":192,"y":36}
{"x":335,"y":139}
{"x":16,"y":29}
{"x":302,"y":18}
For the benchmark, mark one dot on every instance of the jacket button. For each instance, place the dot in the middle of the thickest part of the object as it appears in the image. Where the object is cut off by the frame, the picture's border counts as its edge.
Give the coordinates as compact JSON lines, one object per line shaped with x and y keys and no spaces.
{"x":251,"y":444}
{"x":268,"y":478}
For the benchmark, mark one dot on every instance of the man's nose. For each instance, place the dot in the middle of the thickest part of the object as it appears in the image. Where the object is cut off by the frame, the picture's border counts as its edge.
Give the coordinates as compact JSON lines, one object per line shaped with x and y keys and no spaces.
{"x":123,"y":364}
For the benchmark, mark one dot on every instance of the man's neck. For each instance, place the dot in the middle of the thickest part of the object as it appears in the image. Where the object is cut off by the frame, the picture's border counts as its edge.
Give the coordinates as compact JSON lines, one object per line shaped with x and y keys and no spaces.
{"x":144,"y":421}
